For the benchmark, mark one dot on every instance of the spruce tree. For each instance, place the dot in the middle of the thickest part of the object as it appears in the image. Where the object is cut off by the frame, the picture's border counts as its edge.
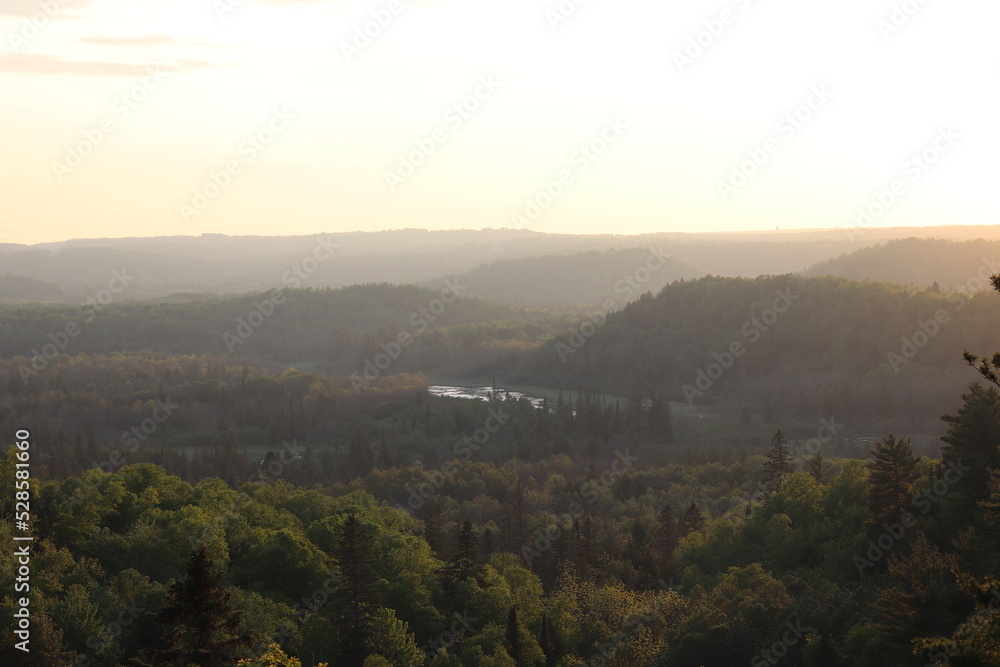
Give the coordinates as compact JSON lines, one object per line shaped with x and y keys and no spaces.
{"x":971,"y":450}
{"x":893,"y":470}
{"x":465,"y":562}
{"x":356,"y":599}
{"x":693,"y":520}
{"x":433,"y":528}
{"x":513,"y":636}
{"x":668,"y":535}
{"x":199,"y":623}
{"x":821,"y":469}
{"x":779,"y":464}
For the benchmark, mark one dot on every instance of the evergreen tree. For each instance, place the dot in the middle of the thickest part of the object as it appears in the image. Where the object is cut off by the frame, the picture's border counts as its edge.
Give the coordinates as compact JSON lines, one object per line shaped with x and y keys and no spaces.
{"x":693,"y":520}
{"x":465,"y":562}
{"x":779,"y":464}
{"x":356,"y":599}
{"x":893,"y":470}
{"x":434,"y":529}
{"x":547,"y":642}
{"x":200,"y":625}
{"x":971,"y":450}
{"x":668,"y":535}
{"x":513,"y":636}
{"x":821,"y":469}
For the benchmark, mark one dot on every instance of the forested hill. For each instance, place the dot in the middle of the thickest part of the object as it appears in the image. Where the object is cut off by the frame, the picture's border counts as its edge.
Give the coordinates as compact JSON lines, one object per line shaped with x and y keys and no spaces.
{"x":17,"y":289}
{"x":581,"y":279}
{"x":952,"y":265}
{"x":341,"y":325}
{"x":805,"y":345}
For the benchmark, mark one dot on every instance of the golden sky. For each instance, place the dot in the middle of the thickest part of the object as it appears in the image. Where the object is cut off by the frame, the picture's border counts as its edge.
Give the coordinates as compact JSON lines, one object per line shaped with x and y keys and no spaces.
{"x":162,"y":117}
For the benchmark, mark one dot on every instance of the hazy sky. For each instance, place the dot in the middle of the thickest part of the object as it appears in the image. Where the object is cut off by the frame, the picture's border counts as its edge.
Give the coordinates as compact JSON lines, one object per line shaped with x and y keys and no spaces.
{"x":155,"y":117}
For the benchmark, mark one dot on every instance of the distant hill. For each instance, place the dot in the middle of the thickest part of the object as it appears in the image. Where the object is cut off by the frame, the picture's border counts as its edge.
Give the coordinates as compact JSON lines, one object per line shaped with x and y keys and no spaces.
{"x":220,"y":264}
{"x":828,"y":353}
{"x":19,"y":289}
{"x":338,"y":329}
{"x":920,"y":262}
{"x":581,"y":279}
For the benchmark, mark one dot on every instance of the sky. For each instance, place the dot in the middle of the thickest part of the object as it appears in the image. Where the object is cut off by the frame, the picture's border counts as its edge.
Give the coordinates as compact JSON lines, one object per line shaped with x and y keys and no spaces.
{"x":165,"y":117}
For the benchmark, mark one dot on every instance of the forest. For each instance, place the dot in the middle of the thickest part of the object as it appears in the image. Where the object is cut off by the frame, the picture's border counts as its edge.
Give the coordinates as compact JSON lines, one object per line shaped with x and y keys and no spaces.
{"x":392,"y":529}
{"x":782,"y":470}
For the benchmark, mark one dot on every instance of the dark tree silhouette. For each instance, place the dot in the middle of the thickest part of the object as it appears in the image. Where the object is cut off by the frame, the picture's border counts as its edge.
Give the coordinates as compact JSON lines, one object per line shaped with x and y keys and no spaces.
{"x":779,"y":464}
{"x":893,"y":470}
{"x":200,"y":626}
{"x":357,"y":598}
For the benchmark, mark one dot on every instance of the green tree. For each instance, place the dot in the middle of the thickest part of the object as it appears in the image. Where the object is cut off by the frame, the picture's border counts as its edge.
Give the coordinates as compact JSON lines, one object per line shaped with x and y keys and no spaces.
{"x":821,"y":469}
{"x":356,"y":599}
{"x":971,"y":450}
{"x":513,"y":636}
{"x":667,"y":535}
{"x":778,"y":464}
{"x":892,"y":472}
{"x":199,"y":624}
{"x":395,"y":642}
{"x":694,"y":520}
{"x":273,"y":656}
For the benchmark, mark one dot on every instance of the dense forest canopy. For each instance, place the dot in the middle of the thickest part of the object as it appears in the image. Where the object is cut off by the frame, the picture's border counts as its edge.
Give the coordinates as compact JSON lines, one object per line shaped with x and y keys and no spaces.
{"x":720,"y":470}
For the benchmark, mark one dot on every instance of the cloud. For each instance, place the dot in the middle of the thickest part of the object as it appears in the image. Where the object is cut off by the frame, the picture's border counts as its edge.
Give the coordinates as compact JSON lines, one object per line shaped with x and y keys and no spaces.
{"x":29,"y":8}
{"x":46,"y":64}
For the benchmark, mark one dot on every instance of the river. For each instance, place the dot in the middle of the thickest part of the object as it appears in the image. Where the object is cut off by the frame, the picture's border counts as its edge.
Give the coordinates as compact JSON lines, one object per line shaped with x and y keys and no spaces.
{"x":480,"y":393}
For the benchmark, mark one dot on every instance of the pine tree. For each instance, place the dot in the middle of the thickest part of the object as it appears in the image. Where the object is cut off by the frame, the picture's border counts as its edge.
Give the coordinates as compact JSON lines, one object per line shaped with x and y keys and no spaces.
{"x":434,"y":528}
{"x":893,"y":471}
{"x":547,"y":642}
{"x":821,"y":469}
{"x":199,"y":622}
{"x":513,"y":636}
{"x":359,"y":452}
{"x":667,"y":536}
{"x":779,"y":464}
{"x":693,"y":520}
{"x":465,"y":562}
{"x":356,"y":599}
{"x":971,"y":450}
